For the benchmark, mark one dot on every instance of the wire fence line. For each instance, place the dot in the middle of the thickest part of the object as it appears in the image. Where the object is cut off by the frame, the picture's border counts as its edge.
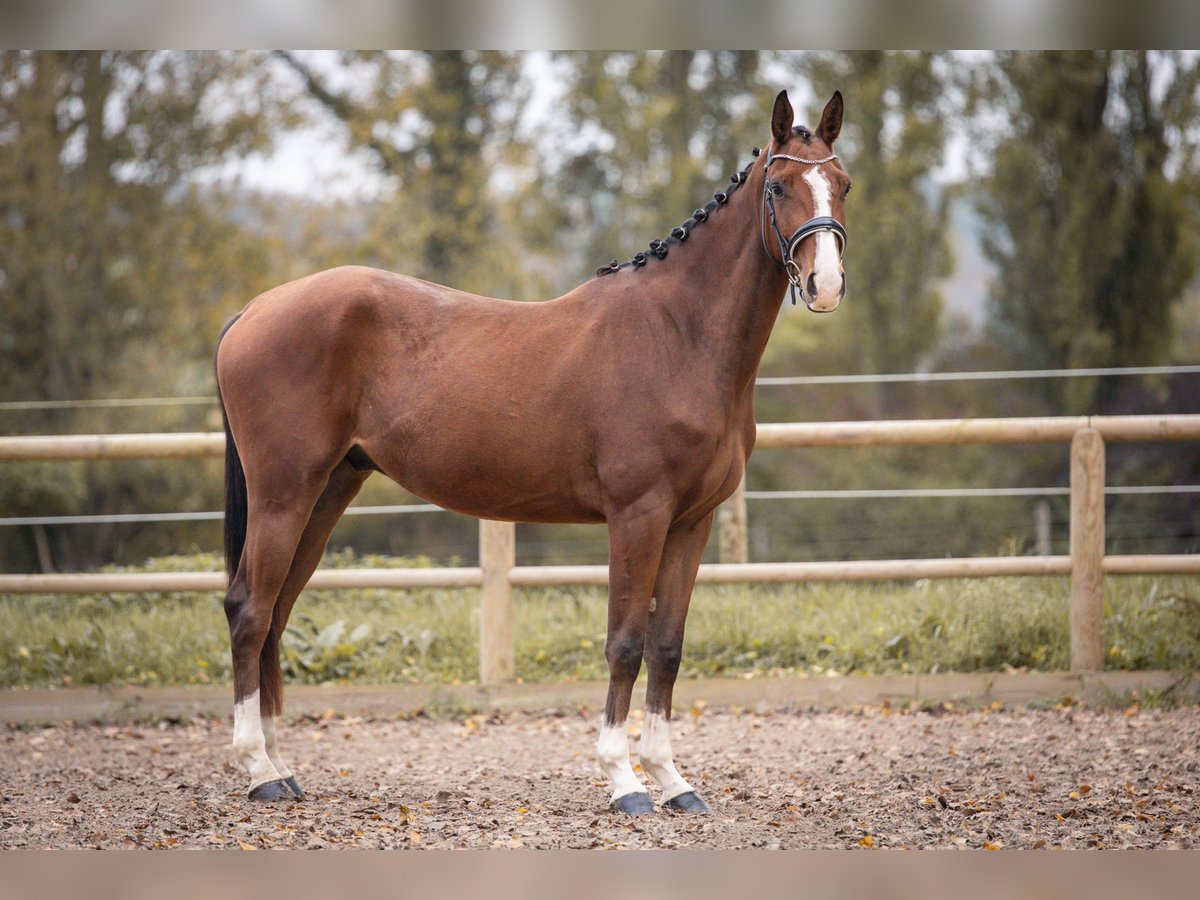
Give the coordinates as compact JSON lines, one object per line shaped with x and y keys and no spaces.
{"x":901,"y":377}
{"x":400,"y":509}
{"x":1015,"y":374}
{"x":115,"y":403}
{"x":204,"y":516}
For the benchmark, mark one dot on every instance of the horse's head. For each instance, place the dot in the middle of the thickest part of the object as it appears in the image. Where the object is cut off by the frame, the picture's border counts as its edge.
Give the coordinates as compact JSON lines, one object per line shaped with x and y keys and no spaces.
{"x":804,"y":196}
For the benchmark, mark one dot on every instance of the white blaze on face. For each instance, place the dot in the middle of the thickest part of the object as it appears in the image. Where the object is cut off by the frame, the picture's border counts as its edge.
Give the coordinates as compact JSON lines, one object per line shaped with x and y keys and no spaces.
{"x":249,"y":743}
{"x":657,"y":760}
{"x":826,"y":264}
{"x":612,"y":751}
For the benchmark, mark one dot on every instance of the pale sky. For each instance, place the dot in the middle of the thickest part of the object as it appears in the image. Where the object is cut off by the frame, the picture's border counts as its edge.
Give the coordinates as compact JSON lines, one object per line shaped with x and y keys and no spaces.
{"x":318,"y":162}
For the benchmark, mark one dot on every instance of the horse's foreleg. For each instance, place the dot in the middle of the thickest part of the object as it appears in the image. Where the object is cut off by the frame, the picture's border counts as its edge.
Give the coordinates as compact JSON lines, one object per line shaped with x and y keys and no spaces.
{"x":635,"y":547}
{"x":344,"y":484}
{"x":682,"y":552}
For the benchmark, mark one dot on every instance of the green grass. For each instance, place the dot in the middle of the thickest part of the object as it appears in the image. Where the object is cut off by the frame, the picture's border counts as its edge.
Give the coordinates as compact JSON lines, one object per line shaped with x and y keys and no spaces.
{"x":431,"y":636}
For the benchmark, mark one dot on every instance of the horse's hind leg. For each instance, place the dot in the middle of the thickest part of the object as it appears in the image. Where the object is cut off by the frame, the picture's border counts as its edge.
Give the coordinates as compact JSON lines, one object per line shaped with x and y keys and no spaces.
{"x":664,"y":650}
{"x":278,"y":513}
{"x":635,"y":548}
{"x":344,"y":484}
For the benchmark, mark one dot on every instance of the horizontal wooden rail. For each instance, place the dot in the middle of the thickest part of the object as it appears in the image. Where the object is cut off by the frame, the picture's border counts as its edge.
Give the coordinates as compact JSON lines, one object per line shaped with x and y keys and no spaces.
{"x":169,"y":582}
{"x":558,"y":576}
{"x":1057,"y":429}
{"x":112,"y":446}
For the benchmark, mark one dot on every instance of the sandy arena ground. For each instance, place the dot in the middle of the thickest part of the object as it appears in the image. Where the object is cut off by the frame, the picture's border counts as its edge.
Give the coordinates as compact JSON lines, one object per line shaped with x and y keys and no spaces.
{"x":871,"y":777}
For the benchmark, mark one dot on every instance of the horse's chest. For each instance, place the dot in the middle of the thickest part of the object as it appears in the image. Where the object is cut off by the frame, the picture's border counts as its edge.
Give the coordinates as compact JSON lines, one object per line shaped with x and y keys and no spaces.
{"x":708,"y":459}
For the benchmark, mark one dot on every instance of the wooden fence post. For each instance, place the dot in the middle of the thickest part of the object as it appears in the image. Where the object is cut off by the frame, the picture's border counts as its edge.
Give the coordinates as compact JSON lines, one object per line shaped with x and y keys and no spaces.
{"x":497,"y":556}
{"x":731,"y":527}
{"x":1087,"y":551}
{"x":1042,"y":528}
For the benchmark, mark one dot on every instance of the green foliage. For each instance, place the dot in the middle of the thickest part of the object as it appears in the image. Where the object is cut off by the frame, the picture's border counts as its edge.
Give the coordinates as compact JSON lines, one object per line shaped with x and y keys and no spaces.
{"x":431,"y":636}
{"x":111,"y":261}
{"x":312,"y":653}
{"x":930,"y":626}
{"x":1093,"y":214}
{"x":114,"y":270}
{"x":646,"y":137}
{"x":438,"y":123}
{"x":1156,"y":627}
{"x":896,"y":105}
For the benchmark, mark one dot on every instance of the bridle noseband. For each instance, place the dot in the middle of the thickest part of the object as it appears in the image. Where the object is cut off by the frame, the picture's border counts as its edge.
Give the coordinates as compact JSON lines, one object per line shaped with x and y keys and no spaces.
{"x":787,"y":246}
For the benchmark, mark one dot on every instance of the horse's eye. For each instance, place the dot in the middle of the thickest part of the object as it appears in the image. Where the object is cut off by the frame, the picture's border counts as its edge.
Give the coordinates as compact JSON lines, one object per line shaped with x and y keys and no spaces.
{"x":777,"y":190}
{"x":847,"y":191}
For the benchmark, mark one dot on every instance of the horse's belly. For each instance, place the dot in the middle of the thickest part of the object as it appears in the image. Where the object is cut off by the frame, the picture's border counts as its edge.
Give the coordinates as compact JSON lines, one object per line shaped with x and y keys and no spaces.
{"x":498,"y":483}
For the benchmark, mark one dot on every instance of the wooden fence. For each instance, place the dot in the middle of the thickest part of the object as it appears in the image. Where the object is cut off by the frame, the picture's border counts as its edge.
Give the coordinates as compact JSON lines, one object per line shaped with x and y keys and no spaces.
{"x":497,"y":573}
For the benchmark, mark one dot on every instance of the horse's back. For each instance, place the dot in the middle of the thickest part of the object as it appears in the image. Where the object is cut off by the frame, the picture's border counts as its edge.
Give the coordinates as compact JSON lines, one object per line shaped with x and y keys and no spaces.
{"x":449,"y":393}
{"x":338,"y":320}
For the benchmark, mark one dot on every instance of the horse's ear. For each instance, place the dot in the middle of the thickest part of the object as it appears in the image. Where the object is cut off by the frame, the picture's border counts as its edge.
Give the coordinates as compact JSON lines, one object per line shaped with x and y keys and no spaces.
{"x":831,"y":119}
{"x":781,"y":120}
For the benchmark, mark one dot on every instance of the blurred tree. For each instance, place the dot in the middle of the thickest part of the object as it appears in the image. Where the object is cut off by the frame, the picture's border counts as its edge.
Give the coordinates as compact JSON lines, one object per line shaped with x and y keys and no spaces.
{"x":114,"y":270}
{"x":640,"y":141}
{"x":896,"y":103}
{"x":1092,"y":199}
{"x":442,"y":124}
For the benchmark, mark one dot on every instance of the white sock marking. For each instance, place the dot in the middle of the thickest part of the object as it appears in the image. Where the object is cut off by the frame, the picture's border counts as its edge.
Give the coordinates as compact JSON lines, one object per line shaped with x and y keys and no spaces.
{"x":249,"y":743}
{"x":612,"y":750}
{"x":826,"y":262}
{"x":268,"y":727}
{"x":657,"y":759}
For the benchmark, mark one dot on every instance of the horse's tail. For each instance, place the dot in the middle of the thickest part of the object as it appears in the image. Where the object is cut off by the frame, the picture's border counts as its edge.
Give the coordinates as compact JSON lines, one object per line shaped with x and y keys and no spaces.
{"x":235,"y":489}
{"x":235,"y":503}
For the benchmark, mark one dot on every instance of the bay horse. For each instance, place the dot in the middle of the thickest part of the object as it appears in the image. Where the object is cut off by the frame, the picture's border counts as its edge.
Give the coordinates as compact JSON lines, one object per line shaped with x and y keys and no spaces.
{"x":627,"y":401}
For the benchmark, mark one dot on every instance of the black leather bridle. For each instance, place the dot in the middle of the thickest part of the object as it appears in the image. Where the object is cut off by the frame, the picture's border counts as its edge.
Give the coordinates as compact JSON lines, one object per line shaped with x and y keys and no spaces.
{"x":787,"y":246}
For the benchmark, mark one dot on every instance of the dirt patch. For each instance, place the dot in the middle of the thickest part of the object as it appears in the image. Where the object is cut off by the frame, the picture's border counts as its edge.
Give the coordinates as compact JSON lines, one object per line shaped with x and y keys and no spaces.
{"x":1071,"y":777}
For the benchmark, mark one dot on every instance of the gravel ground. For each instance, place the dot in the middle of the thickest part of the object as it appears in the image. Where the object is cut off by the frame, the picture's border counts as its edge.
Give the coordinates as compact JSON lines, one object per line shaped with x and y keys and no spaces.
{"x":872,"y":777}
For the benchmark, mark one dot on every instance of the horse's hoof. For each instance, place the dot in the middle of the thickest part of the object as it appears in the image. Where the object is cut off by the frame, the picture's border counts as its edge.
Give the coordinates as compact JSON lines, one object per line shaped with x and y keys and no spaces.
{"x":271,"y":790}
{"x":636,"y":803}
{"x":294,"y":786}
{"x":690,"y":803}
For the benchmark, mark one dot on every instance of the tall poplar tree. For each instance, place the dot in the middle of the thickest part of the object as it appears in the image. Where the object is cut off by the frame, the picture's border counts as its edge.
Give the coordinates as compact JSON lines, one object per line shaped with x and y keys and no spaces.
{"x":441,"y":124}
{"x":115,"y":269}
{"x":896,"y":106}
{"x":1092,"y":205}
{"x":645,"y":138}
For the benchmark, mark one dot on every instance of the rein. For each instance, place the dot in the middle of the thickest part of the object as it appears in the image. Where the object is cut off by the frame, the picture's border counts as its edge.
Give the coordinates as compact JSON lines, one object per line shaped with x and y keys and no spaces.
{"x":787,"y":246}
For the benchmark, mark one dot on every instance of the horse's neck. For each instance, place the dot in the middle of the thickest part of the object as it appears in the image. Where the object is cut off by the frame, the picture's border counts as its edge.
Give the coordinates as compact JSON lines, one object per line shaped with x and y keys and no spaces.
{"x":731,"y":291}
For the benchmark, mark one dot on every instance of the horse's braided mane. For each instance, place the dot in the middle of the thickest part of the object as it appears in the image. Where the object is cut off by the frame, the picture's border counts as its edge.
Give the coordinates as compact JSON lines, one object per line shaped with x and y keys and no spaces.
{"x":679,"y":234}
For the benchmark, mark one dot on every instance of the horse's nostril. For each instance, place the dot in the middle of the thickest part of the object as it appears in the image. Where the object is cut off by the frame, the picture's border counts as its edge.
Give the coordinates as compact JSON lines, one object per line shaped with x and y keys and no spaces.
{"x":812,"y":285}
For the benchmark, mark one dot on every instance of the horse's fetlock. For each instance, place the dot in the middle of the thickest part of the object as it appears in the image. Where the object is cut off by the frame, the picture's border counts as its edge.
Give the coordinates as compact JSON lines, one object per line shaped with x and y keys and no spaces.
{"x":248,"y":742}
{"x":612,"y":746}
{"x":653,"y":757}
{"x":607,"y":756}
